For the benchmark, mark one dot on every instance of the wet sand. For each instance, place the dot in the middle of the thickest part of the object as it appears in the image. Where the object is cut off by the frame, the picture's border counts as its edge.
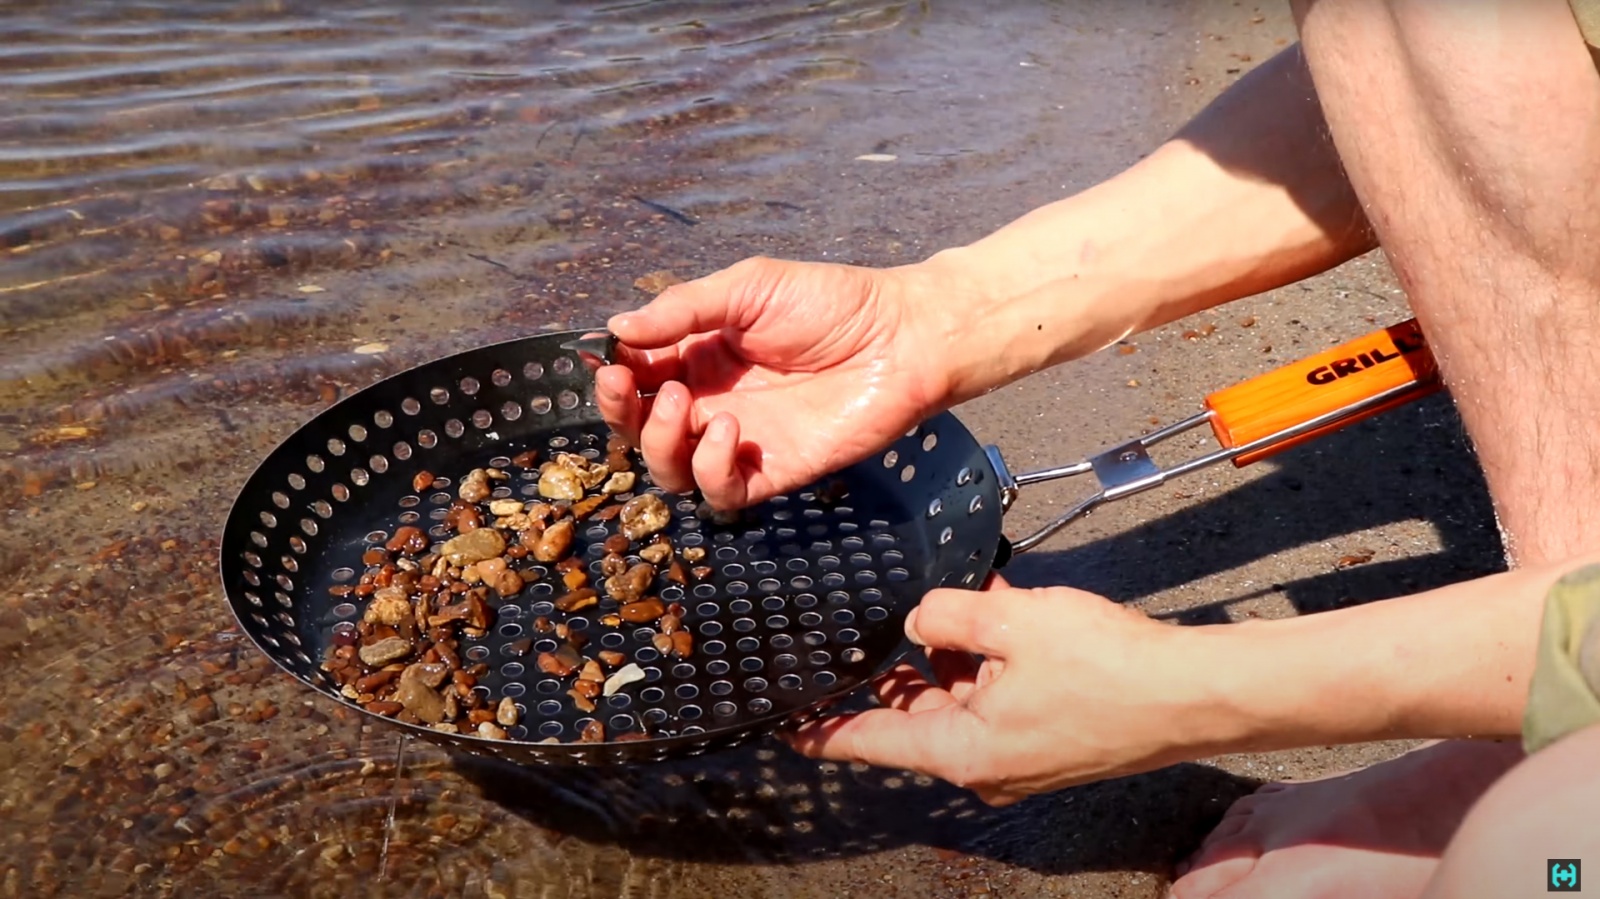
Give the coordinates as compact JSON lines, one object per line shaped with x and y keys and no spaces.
{"x":151,"y":752}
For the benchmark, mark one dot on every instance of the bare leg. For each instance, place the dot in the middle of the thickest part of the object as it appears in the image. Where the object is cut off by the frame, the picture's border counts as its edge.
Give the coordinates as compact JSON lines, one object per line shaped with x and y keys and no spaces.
{"x":1471,"y":132}
{"x":1543,"y":809}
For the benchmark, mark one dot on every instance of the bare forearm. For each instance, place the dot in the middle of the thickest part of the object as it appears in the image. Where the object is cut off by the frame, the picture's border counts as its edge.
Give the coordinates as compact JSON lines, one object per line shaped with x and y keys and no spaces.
{"x":1451,"y":662}
{"x":1248,"y":196}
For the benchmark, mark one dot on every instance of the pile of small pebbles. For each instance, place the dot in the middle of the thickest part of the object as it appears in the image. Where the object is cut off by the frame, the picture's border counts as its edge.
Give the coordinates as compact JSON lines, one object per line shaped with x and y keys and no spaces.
{"x":421,"y":596}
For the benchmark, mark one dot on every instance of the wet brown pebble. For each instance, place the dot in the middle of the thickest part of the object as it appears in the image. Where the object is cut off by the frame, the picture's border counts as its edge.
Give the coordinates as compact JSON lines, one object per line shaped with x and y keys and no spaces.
{"x":382,"y":652}
{"x":616,"y":543}
{"x":585,"y":507}
{"x":201,"y":710}
{"x":508,"y":584}
{"x":560,"y":663}
{"x":371,"y":682}
{"x":506,"y":712}
{"x":575,"y":579}
{"x":611,"y":657}
{"x":526,"y":459}
{"x":682,"y":644}
{"x":422,"y":481}
{"x":644,"y":515}
{"x":475,"y":486}
{"x":642,"y":612}
{"x":474,"y":546}
{"x":407,"y":539}
{"x":630,"y":585}
{"x":581,"y":598}
{"x":555,"y":543}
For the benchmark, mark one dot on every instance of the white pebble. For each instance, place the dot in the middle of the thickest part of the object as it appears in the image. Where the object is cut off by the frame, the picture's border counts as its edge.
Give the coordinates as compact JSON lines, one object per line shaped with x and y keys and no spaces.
{"x":625,"y":675}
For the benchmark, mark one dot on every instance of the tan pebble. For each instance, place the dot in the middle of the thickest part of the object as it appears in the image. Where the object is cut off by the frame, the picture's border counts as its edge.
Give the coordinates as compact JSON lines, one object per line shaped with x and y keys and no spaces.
{"x":490,"y":730}
{"x":657,"y":281}
{"x":620,"y":482}
{"x":694,"y":553}
{"x":504,"y":507}
{"x":506,"y":712}
{"x":139,"y":506}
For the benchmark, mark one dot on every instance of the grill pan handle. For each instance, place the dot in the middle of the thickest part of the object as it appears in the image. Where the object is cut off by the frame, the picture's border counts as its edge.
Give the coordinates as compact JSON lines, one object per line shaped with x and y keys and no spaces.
{"x":1251,"y":420}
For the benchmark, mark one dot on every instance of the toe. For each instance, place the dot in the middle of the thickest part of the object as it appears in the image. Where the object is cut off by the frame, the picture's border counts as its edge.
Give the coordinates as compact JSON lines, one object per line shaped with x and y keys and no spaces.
{"x":1207,"y":878}
{"x":1226,"y":829}
{"x":1223,"y":841}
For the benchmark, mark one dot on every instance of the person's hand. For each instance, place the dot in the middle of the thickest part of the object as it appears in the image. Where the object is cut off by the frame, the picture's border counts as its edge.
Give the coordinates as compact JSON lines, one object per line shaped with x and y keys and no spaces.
{"x":1071,"y":688}
{"x":770,"y":374}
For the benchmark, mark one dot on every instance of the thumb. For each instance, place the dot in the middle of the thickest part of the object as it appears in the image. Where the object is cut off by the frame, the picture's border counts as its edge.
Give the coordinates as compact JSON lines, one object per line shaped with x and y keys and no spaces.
{"x":982,"y":622}
{"x":719,"y":300}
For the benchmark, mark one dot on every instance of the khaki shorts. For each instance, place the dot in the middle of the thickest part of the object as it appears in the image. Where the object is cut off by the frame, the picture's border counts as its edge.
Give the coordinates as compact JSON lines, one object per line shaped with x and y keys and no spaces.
{"x":1565,"y":694}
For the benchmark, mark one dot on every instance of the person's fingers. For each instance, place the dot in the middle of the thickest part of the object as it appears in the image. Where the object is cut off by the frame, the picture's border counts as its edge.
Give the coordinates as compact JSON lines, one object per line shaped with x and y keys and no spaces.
{"x":616,"y":393}
{"x":996,"y":581}
{"x":979,"y":622}
{"x":903,"y":687}
{"x":948,"y":742}
{"x":716,"y":464}
{"x":694,"y":307}
{"x":654,"y":367}
{"x":665,"y":440}
{"x":956,"y":671}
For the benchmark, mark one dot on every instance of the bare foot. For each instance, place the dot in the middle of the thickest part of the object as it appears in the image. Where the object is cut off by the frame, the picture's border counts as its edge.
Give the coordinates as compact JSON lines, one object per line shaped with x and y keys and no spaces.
{"x":1377,"y":832}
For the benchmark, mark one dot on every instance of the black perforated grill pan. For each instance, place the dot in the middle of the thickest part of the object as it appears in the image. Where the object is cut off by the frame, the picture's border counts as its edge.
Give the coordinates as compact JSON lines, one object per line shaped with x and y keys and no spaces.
{"x":806,"y":602}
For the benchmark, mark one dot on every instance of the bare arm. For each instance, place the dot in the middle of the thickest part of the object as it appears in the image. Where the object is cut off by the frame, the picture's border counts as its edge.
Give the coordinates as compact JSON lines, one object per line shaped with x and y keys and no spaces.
{"x":1249,"y":196}
{"x":1451,"y":662}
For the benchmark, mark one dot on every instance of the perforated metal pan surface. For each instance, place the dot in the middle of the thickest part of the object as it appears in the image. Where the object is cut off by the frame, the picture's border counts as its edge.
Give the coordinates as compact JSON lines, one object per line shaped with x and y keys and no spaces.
{"x":806,"y":602}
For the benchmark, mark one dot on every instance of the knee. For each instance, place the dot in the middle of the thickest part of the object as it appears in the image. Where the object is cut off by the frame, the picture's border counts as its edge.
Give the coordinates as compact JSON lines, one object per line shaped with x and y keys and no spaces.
{"x":1542,"y":809}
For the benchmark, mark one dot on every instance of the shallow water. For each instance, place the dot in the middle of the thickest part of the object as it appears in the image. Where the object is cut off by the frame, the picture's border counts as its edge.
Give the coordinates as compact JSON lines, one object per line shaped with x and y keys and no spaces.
{"x":215,"y":220}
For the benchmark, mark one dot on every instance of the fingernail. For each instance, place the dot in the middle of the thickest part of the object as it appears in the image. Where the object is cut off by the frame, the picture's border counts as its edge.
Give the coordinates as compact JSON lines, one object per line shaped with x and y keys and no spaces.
{"x":619,"y":322}
{"x":661,"y":409}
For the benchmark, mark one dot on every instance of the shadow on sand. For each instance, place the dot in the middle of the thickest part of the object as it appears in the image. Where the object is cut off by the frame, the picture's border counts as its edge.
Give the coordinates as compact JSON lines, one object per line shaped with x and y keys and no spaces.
{"x":764,"y":804}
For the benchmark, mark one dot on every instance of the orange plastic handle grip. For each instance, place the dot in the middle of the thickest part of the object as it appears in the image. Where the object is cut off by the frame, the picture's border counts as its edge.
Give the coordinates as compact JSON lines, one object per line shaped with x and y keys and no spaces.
{"x":1323,"y":384}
